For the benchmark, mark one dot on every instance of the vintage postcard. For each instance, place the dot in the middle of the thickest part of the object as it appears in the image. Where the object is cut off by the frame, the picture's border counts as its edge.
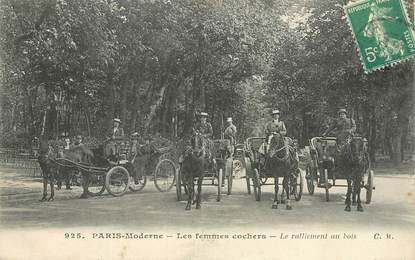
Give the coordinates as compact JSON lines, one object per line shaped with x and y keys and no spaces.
{"x":207,"y":129}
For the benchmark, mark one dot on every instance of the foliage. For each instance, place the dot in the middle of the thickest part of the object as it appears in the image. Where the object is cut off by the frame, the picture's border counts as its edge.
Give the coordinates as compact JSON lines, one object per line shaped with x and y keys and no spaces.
{"x":156,"y":64}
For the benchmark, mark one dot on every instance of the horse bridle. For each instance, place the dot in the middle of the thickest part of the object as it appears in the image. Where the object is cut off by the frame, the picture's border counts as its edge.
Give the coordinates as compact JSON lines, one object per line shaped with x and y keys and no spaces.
{"x":356,"y":157}
{"x":286,"y":147}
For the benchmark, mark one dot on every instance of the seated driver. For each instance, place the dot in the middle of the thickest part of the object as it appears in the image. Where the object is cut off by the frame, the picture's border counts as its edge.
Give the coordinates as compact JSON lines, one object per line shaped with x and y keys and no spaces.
{"x":274,"y":126}
{"x":344,"y":127}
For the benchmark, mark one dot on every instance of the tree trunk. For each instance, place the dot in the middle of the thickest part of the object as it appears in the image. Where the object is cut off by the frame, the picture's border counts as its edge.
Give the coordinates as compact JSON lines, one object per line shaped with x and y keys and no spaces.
{"x":164,"y":123}
{"x":192,"y":111}
{"x":396,"y":148}
{"x":372,"y":136}
{"x":29,"y":119}
{"x":155,"y":106}
{"x":305,"y":129}
{"x":110,"y":96}
{"x":202,"y":99}
{"x":135,"y":111}
{"x":187,"y":108}
{"x":123,"y":103}
{"x":88,"y":122}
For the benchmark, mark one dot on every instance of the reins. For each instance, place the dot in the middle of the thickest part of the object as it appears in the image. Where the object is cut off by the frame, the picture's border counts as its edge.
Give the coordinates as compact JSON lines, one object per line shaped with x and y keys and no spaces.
{"x":286,"y":155}
{"x":71,"y":164}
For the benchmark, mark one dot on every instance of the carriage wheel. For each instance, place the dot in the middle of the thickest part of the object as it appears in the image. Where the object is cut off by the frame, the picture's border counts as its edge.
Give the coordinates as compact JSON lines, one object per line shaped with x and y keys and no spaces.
{"x":96,"y":185}
{"x":165,"y":175}
{"x":326,"y":183}
{"x":117,"y":181}
{"x":257,"y":185}
{"x":179,"y":184}
{"x":220,"y":179}
{"x":299,"y":183}
{"x":310,"y":180}
{"x":229,"y":174}
{"x":369,"y":187}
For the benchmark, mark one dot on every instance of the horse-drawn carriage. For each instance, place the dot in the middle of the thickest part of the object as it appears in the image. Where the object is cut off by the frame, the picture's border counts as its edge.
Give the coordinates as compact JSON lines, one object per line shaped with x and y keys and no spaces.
{"x":325,"y":168}
{"x":259,"y":166}
{"x":211,"y":165}
{"x":119,"y":165}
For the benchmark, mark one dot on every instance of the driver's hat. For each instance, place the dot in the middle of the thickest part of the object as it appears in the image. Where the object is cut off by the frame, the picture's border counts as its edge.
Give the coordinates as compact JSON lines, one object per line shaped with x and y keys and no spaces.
{"x":342,"y":110}
{"x":275,"y":111}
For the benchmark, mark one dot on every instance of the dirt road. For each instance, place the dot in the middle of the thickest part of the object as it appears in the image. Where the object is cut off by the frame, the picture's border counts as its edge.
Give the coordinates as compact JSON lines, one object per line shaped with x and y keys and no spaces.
{"x":392,"y":205}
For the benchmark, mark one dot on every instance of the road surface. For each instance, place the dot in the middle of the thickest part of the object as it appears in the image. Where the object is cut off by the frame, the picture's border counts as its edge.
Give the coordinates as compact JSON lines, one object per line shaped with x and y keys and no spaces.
{"x":392,"y":206}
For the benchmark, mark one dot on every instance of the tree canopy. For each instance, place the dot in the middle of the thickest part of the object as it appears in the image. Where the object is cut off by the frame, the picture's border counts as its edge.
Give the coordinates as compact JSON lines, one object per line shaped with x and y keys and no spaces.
{"x":157,"y":63}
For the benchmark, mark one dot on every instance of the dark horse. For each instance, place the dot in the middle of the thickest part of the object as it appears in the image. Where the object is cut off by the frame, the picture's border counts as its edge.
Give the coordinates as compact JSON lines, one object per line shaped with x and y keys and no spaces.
{"x":282,"y":162}
{"x":194,"y":160}
{"x":353,"y":162}
{"x":47,"y":157}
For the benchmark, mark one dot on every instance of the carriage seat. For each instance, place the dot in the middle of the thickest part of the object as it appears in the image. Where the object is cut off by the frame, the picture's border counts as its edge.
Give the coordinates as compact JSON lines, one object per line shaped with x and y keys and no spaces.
{"x":254,"y":147}
{"x":323,"y":148}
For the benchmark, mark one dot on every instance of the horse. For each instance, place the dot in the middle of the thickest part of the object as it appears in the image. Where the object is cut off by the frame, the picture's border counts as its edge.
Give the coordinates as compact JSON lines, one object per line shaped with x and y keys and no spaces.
{"x":47,"y":156}
{"x":282,"y":161}
{"x":194,"y":160}
{"x":46,"y":152}
{"x":63,"y":174}
{"x":355,"y":163}
{"x":79,"y":154}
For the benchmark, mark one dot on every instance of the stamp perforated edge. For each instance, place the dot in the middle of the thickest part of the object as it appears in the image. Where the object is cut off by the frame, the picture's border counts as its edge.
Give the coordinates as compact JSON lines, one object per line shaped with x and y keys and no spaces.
{"x":386,"y":65}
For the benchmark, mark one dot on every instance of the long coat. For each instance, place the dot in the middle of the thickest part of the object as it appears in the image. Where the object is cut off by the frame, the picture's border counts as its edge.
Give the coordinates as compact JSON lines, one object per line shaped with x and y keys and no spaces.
{"x":117,"y":132}
{"x":204,"y":129}
{"x":230,"y":133}
{"x":342,"y":126}
{"x":275,"y":126}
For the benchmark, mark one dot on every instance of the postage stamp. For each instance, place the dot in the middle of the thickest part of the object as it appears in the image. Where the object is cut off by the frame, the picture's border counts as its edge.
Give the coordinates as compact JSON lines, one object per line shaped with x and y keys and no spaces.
{"x":382,"y":31}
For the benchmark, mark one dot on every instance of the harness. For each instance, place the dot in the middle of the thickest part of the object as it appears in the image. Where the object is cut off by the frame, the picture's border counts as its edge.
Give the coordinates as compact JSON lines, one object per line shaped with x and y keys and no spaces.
{"x":287,"y":149}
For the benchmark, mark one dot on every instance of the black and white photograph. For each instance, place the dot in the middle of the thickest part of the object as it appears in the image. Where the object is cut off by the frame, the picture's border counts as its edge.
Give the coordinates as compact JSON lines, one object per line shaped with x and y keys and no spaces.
{"x":207,"y":129}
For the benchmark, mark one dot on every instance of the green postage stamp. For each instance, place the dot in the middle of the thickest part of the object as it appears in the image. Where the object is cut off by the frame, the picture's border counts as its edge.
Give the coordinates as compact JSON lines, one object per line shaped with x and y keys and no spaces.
{"x":382,"y":31}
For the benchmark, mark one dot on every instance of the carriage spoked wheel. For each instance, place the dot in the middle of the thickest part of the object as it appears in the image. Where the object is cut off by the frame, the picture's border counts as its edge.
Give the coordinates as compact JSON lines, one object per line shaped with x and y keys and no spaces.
{"x":96,"y":184}
{"x":165,"y":175}
{"x":326,"y":183}
{"x":229,"y":174}
{"x":220,"y":179}
{"x":369,"y":186}
{"x":117,"y":181}
{"x":310,"y":180}
{"x":257,"y":185}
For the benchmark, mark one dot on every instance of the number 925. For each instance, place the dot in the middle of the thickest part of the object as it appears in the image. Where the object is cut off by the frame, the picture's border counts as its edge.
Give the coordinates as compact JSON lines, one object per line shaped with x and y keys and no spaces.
{"x":73,"y":235}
